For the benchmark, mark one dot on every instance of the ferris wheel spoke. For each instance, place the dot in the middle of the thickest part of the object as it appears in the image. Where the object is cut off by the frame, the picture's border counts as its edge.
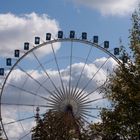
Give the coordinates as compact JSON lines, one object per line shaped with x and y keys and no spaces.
{"x":94,"y":90}
{"x":91,"y":108}
{"x":25,"y":135}
{"x":46,"y":73}
{"x":92,"y":116}
{"x":84,"y":118}
{"x":23,"y":119}
{"x":96,"y":73}
{"x":52,"y":101}
{"x":56,"y":100}
{"x":66,"y":93}
{"x":55,"y":58}
{"x":40,"y":84}
{"x":71,"y":54}
{"x":75,"y":94}
{"x":98,"y":99}
{"x":81,"y":97}
{"x":85,"y":63}
{"x":96,"y":108}
{"x":75,"y":97}
{"x":93,"y":76}
{"x":62,"y":92}
{"x":57,"y":96}
{"x":82,"y":111}
{"x":84,"y":98}
{"x":26,"y":105}
{"x":28,"y":92}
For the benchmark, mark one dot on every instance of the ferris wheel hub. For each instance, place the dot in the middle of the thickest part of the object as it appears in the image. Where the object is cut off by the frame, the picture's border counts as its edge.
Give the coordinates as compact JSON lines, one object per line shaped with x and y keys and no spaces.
{"x":69,"y":108}
{"x":71,"y":84}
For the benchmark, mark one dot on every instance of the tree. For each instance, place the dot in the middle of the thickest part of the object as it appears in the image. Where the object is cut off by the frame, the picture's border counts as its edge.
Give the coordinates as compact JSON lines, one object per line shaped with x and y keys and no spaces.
{"x":58,"y":126}
{"x":123,"y":91}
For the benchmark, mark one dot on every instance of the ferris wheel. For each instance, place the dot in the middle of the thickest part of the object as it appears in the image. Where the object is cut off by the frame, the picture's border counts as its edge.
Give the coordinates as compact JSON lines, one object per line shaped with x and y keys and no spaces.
{"x":61,"y":73}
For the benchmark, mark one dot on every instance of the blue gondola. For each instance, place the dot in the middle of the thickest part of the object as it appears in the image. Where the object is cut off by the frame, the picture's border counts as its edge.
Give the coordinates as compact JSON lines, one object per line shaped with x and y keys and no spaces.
{"x":95,"y":39}
{"x":17,"y":53}
{"x":8,"y":62}
{"x":106,"y":44}
{"x":84,"y":35}
{"x":26,"y":46}
{"x":116,"y":51}
{"x":60,"y":34}
{"x":1,"y":71}
{"x":72,"y":34}
{"x":48,"y":36}
{"x":37,"y":40}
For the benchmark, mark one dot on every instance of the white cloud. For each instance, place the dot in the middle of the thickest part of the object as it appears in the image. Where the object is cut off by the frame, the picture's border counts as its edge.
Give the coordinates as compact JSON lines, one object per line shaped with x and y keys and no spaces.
{"x":32,"y":90}
{"x":111,"y":7}
{"x":15,"y":30}
{"x":18,"y":96}
{"x":23,"y":89}
{"x":16,"y":130}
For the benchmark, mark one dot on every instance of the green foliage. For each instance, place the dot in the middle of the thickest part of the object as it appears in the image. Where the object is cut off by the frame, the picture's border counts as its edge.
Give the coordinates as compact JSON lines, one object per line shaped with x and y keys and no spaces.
{"x":135,"y":35}
{"x":123,"y":91}
{"x":57,"y":126}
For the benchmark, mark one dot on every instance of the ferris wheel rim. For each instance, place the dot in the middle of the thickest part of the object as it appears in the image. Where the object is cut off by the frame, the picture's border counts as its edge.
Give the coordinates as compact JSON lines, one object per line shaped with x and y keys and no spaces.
{"x":56,"y":41}
{"x":48,"y":43}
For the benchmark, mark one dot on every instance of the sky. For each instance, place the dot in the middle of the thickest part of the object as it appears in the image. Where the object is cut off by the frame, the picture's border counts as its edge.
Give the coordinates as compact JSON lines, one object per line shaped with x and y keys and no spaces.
{"x":21,"y":21}
{"x":109,"y":19}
